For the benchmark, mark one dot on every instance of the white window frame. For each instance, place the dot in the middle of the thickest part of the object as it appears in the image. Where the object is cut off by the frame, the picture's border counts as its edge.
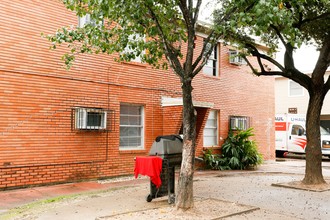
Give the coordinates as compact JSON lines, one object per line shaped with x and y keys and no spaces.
{"x":214,"y":128}
{"x":214,"y":58}
{"x":235,"y":59}
{"x":141,"y":126}
{"x":82,"y":119}
{"x":298,"y":86}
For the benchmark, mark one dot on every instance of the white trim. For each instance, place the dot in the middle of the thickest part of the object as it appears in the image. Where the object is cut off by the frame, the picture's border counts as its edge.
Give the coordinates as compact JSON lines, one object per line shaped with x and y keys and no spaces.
{"x":142,"y":126}
{"x":169,"y":101}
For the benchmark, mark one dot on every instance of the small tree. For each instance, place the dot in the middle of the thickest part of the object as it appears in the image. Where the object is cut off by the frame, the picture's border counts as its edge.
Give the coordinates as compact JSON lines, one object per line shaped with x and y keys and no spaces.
{"x":290,"y":23}
{"x":160,"y":28}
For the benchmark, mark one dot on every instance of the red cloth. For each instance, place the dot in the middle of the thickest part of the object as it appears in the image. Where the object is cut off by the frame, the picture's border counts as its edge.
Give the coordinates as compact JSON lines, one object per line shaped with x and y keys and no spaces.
{"x":150,"y":166}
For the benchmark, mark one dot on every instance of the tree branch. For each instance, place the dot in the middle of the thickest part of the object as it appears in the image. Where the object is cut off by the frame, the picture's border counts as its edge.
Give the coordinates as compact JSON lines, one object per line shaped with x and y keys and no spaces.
{"x":264,"y":73}
{"x":322,"y":63}
{"x":254,"y":51}
{"x":190,"y":26}
{"x":302,"y":22}
{"x":198,"y":5}
{"x":292,"y":74}
{"x":190,"y":8}
{"x":203,"y":53}
{"x":288,"y":57}
{"x":170,"y":52}
{"x":250,"y":6}
{"x":185,"y":11}
{"x":278,"y":33}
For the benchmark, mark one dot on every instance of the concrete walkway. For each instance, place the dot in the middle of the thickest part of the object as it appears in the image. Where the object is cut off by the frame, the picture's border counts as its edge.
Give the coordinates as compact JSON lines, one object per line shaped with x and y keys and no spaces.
{"x":112,"y":199}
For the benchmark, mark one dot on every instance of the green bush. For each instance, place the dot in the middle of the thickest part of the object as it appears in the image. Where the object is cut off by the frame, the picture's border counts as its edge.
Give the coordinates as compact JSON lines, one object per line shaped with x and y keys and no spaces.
{"x":238,"y":153}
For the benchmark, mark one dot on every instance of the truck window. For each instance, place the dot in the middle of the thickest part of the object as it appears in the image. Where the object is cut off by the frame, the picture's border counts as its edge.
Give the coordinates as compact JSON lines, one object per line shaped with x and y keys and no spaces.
{"x":324,"y":131}
{"x":297,"y":130}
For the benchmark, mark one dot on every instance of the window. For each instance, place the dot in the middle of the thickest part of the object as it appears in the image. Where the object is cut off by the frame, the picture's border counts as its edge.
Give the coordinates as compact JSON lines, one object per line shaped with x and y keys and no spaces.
{"x":211,"y":67}
{"x":134,"y":40}
{"x":297,"y":130}
{"x":295,"y":89}
{"x":211,"y":129}
{"x":90,"y":119}
{"x":235,"y":59}
{"x":131,"y":126}
{"x":87,"y":19}
{"x":239,"y":123}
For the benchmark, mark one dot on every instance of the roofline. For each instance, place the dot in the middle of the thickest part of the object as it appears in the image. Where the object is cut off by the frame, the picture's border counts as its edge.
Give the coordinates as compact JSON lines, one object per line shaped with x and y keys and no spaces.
{"x":203,"y":28}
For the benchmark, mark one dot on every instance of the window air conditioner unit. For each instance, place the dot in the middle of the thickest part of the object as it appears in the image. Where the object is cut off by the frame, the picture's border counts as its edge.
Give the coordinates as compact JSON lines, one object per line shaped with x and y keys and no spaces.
{"x":239,"y":122}
{"x":235,"y":59}
{"x":90,"y":119}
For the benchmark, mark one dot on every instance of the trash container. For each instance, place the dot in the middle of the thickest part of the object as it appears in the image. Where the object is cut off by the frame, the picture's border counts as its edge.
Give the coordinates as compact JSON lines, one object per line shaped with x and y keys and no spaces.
{"x":169,"y":148}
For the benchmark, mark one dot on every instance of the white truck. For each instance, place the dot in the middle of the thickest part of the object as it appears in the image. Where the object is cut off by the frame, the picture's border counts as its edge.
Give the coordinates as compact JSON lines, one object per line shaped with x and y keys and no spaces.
{"x":290,"y":135}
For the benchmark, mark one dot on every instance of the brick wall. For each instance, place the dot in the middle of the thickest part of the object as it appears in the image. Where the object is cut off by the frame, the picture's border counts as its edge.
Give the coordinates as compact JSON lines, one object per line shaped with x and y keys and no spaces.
{"x":237,"y":92}
{"x":37,"y":95}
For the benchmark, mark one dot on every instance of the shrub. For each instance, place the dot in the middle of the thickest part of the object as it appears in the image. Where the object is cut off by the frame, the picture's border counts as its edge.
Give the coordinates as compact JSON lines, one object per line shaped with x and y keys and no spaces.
{"x":238,"y":152}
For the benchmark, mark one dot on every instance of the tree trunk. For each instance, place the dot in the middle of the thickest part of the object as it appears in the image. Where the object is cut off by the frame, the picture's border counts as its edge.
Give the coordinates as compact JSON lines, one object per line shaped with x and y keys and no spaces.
{"x":184,"y":198}
{"x":313,"y":172}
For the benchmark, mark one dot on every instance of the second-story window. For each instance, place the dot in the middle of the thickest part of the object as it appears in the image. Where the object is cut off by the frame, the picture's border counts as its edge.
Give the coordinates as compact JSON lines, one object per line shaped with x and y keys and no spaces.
{"x":134,"y":39}
{"x":235,"y":59}
{"x":87,"y":19}
{"x":211,"y":67}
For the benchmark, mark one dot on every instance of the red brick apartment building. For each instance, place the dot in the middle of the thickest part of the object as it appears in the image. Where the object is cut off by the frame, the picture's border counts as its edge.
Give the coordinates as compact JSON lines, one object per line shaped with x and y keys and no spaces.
{"x":46,"y":112}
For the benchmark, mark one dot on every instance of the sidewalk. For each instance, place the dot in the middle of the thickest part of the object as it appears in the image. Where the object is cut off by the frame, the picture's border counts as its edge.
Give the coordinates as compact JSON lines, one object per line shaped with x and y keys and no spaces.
{"x":15,"y":198}
{"x":250,"y":190}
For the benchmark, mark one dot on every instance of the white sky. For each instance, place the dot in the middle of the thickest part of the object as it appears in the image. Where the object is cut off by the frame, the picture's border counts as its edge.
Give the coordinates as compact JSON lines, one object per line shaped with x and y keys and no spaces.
{"x":206,"y":9}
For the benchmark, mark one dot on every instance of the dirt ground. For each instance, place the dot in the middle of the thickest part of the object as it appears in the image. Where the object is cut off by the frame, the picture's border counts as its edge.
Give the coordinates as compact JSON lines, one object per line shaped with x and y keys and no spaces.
{"x":261,"y":194}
